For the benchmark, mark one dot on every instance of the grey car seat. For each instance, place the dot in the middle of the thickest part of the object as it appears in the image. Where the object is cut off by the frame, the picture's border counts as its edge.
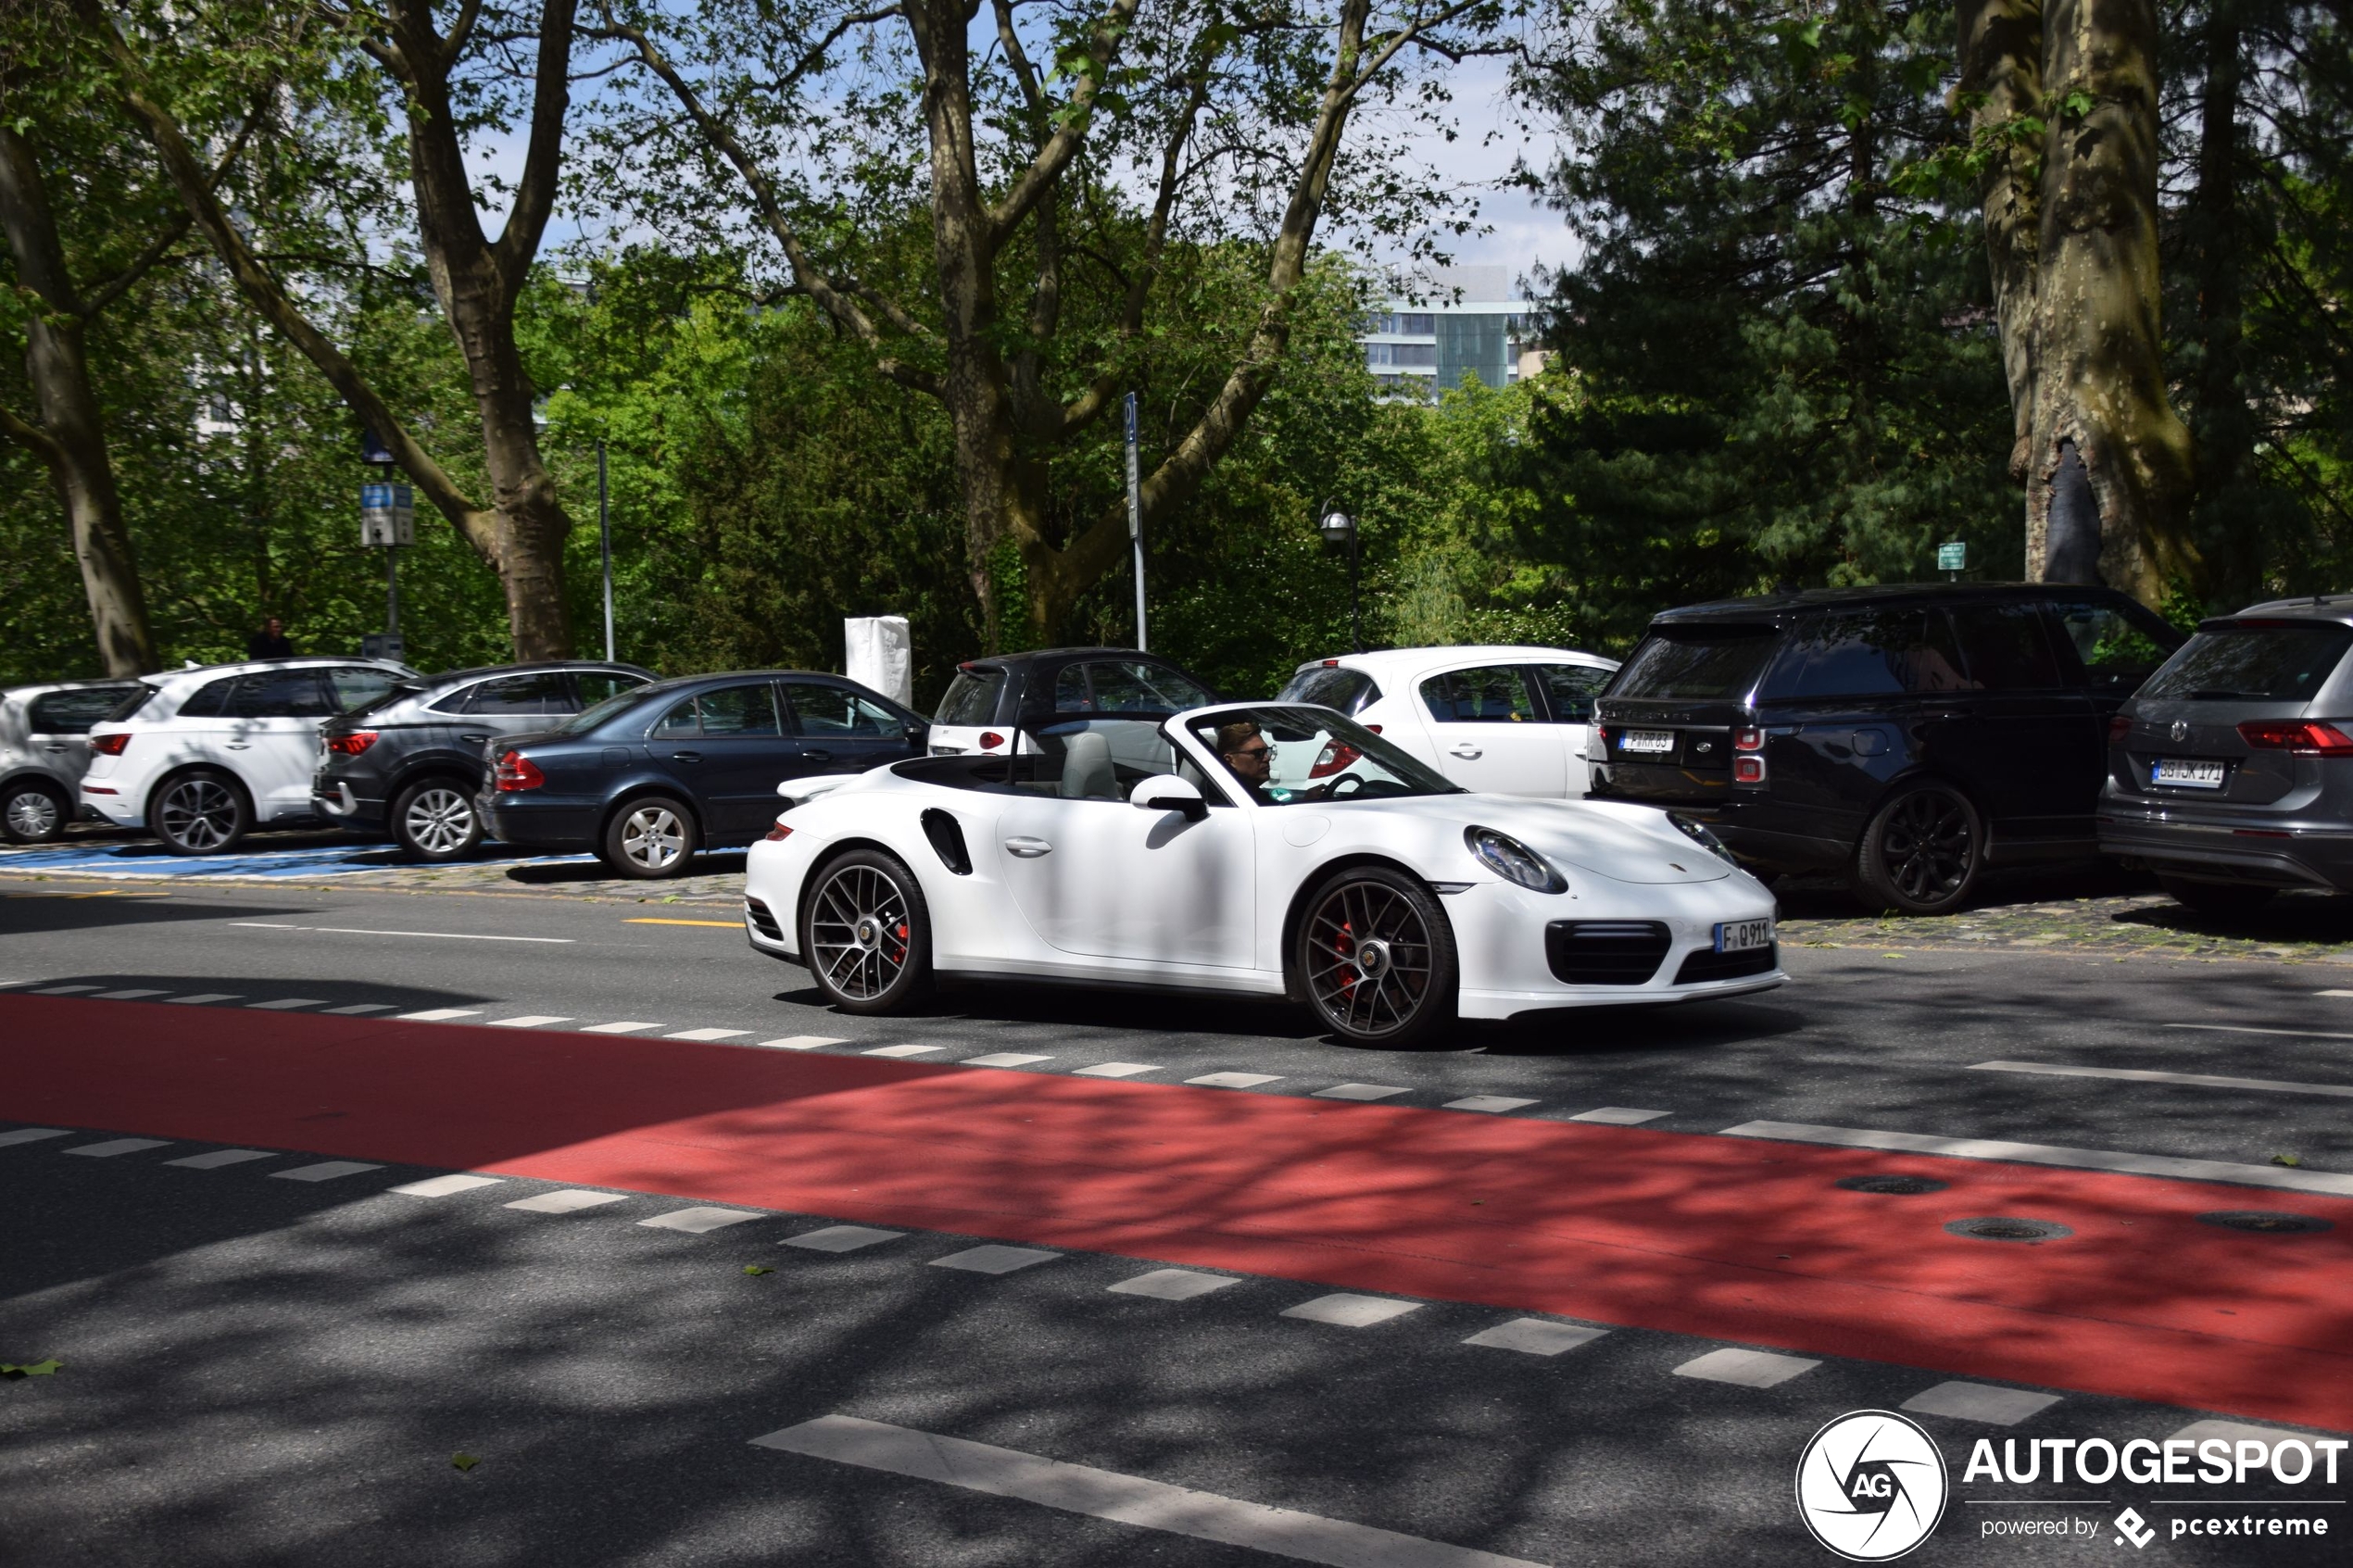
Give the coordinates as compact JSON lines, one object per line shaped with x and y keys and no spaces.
{"x":1087,"y":769}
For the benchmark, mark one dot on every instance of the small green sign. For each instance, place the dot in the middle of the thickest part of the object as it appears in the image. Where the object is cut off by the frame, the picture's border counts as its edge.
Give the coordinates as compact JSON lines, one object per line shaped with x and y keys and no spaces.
{"x":1953,"y":557}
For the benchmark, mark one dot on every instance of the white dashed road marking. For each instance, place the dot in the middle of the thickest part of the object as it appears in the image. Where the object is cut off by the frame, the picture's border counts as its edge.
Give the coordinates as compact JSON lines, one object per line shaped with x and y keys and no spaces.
{"x":1002,"y":1059}
{"x":1345,"y":1310}
{"x":1750,"y":1369}
{"x":2192,"y":1080}
{"x":325,"y":1170}
{"x":1114,"y":1069}
{"x":2250,"y":1029}
{"x":1492,"y":1104}
{"x":569,"y":1200}
{"x":1619,"y":1116}
{"x":123,"y":996}
{"x":994,"y":1259}
{"x":1536,"y":1336}
{"x":443,"y":1187}
{"x":363,"y":1007}
{"x":697,"y":1221}
{"x":708,"y":1034}
{"x":841,"y":1238}
{"x":1357,"y":1091}
{"x":1173,"y":1285}
{"x":220,"y":1157}
{"x":625,"y":1027}
{"x":113,"y":1147}
{"x":1979,"y":1401}
{"x":529,"y":1021}
{"x":1235,"y":1080}
{"x":2047,"y":1154}
{"x":33,"y":1134}
{"x":62,"y":990}
{"x":287,"y":1004}
{"x":439,"y":1015}
{"x":1129,"y":1500}
{"x":903,"y":1050}
{"x":205,"y":996}
{"x":789,"y":1043}
{"x":364,"y":930}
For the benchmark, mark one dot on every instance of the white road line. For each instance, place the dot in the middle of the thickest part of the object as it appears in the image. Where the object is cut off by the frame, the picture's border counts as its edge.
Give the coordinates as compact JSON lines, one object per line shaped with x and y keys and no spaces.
{"x":789,"y":1042}
{"x":32,"y":1134}
{"x":568,"y":1200}
{"x":1492,"y":1104}
{"x":1750,"y":1369}
{"x":1619,"y":1115}
{"x":62,"y":990}
{"x":220,"y":1157}
{"x":1979,"y":1401}
{"x":1002,"y":1059}
{"x":2234,"y":1432}
{"x":113,"y":1147}
{"x":286,"y":1004}
{"x":697,"y":1221}
{"x":439,"y":1015}
{"x":2195,"y":1080}
{"x":902,"y":1051}
{"x":994,"y":1259}
{"x":1114,"y":1069}
{"x":627,"y":1026}
{"x":1536,"y":1336}
{"x":1172,"y":1284}
{"x":841,"y":1238}
{"x":2047,"y":1154}
{"x":2250,"y":1029}
{"x":1357,"y":1091}
{"x":370,"y":930}
{"x":356,"y":1008}
{"x":123,"y":996}
{"x":444,"y":1186}
{"x":1128,"y":1499}
{"x":1345,"y":1310}
{"x":325,"y":1170}
{"x":2332,"y":993}
{"x":1235,"y":1080}
{"x":199,"y":996}
{"x":708,"y":1034}
{"x":529,"y":1021}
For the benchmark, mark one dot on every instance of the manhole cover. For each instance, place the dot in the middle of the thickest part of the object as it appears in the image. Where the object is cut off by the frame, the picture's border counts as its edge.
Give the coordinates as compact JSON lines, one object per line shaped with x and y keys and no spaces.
{"x":2009,"y":1230}
{"x":1900,"y":1185}
{"x":2263,"y":1222}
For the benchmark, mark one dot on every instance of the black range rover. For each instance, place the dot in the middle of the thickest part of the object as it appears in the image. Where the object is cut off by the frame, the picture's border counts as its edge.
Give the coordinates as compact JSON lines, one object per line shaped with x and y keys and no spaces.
{"x":1901,"y":737}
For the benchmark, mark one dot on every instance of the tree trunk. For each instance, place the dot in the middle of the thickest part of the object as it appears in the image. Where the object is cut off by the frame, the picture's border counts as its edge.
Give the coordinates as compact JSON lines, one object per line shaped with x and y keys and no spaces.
{"x":71,"y":436}
{"x":2223,"y":428}
{"x":2098,"y":380}
{"x":2001,"y":58}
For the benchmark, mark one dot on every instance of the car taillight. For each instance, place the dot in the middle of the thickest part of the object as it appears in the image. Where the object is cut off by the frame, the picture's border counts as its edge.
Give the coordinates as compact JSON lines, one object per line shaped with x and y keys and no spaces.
{"x":1336,"y":758}
{"x":1375,"y":728}
{"x":353,"y":744}
{"x":1748,"y":737}
{"x":517,"y":772}
{"x":1748,"y":770}
{"x":2306,"y":737}
{"x":109,"y":746}
{"x":2119,"y":728}
{"x":990,"y":740}
{"x":778,"y":833}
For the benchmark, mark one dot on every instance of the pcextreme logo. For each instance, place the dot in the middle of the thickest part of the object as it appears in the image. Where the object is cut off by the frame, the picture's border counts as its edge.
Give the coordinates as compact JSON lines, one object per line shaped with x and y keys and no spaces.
{"x":1872,"y":1486}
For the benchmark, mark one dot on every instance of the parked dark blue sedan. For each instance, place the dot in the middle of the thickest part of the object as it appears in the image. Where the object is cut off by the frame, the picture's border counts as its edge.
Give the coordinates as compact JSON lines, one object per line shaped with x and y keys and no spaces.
{"x":649,"y":776}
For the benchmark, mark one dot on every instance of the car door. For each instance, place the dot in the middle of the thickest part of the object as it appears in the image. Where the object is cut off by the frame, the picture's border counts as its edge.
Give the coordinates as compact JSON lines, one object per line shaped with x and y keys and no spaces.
{"x":1105,"y":879}
{"x":2032,"y":752}
{"x":733,"y":757}
{"x":1490,"y":734}
{"x":1569,"y":690}
{"x":271,"y":736}
{"x":840,"y":732}
{"x":57,"y":726}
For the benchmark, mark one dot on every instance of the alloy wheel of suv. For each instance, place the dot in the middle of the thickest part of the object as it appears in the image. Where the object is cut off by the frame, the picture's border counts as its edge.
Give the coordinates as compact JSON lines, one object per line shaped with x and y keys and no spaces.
{"x":32,"y":814}
{"x":1921,"y":854}
{"x":200,"y":813}
{"x":435,"y":820}
{"x":652,"y":837}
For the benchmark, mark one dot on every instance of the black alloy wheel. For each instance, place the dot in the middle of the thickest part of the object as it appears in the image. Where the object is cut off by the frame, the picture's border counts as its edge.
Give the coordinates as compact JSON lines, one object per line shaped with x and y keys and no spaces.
{"x":651,"y":837}
{"x":435,"y":820}
{"x":1376,"y":957}
{"x":1922,"y":852}
{"x":2217,"y":898}
{"x":865,"y":933}
{"x":200,"y":812}
{"x":34,"y":813}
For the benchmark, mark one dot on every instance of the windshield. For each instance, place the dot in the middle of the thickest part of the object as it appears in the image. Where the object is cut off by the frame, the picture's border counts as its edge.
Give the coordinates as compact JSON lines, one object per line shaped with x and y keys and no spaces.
{"x":588,"y":719}
{"x":1696,"y":662}
{"x":1288,"y":755}
{"x":971,"y":697}
{"x":2252,"y":664}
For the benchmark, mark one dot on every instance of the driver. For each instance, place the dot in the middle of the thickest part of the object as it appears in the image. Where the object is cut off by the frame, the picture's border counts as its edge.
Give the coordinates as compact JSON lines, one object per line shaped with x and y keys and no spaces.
{"x":1247,"y":755}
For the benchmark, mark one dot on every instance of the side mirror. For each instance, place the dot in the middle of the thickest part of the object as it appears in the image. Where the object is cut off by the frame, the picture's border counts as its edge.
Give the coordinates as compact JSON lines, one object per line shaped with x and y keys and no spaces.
{"x":1166,"y":792}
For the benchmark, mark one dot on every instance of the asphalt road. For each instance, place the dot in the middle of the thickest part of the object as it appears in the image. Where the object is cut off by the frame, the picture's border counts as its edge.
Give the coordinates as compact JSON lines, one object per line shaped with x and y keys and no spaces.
{"x":263,"y":1370}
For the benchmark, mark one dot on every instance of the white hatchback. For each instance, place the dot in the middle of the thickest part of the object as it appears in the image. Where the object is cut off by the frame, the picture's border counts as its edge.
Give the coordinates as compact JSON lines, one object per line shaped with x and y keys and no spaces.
{"x":211,"y":754}
{"x":1499,"y":719}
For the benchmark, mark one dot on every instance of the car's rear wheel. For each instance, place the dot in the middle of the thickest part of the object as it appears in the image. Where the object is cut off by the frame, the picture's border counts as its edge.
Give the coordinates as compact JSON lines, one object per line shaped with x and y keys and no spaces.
{"x":1922,"y":852}
{"x":865,"y":931}
{"x":34,"y":813}
{"x":435,"y":820}
{"x":651,"y":836}
{"x":2216,"y":897}
{"x":1375,"y":956}
{"x":202,"y":812}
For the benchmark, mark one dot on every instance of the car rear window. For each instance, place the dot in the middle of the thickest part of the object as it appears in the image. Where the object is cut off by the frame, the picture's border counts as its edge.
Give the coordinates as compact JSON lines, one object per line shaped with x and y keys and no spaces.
{"x":1696,"y":662}
{"x":72,"y":712}
{"x":971,"y":697}
{"x":2252,"y":664}
{"x":1328,"y":685}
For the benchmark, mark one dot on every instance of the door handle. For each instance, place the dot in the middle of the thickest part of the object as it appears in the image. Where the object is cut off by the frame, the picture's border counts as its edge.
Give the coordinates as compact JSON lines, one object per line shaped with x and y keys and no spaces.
{"x":53,"y":748}
{"x":686,"y":757}
{"x":818,"y":756}
{"x":240,"y":745}
{"x":1465,"y":750}
{"x":1029,"y":849}
{"x":471,"y":740}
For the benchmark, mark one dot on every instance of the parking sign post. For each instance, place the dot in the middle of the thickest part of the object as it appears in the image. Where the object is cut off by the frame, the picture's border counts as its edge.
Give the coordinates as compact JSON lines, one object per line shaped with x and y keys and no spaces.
{"x":1953,"y":558}
{"x":387,"y":522}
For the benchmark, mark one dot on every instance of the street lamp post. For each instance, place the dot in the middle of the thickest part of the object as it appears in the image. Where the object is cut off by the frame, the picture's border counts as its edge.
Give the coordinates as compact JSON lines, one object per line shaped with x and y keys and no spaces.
{"x":1338,"y":528}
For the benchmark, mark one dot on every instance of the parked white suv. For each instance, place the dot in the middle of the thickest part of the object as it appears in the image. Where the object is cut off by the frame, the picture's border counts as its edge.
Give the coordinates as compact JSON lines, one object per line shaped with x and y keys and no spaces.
{"x":42,"y":755}
{"x":1503,"y":721}
{"x":211,"y":754}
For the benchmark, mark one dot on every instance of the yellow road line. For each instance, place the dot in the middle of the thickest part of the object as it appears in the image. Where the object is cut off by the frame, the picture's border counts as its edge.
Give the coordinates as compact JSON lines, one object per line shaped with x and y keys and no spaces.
{"x":648,"y":919}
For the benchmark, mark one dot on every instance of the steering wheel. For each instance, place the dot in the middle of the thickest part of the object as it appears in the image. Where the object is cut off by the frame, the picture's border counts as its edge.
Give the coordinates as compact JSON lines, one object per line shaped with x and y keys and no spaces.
{"x":1333,"y":792}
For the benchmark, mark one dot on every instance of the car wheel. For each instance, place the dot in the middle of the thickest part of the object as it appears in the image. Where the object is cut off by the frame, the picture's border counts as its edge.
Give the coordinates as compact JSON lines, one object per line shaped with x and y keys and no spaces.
{"x":435,"y":820}
{"x":34,"y":813}
{"x":1376,"y":957}
{"x":1921,"y":854}
{"x":202,"y":812}
{"x":2216,"y":897}
{"x":867,"y":933}
{"x":653,"y":836}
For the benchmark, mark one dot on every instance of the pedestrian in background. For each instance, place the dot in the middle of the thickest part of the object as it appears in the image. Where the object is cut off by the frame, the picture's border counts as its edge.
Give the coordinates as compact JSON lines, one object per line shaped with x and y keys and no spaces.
{"x":270,"y":642}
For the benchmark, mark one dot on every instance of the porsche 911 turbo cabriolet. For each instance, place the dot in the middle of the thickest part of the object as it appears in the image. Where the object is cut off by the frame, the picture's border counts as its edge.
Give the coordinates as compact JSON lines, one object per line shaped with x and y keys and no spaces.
{"x":1278,"y":849}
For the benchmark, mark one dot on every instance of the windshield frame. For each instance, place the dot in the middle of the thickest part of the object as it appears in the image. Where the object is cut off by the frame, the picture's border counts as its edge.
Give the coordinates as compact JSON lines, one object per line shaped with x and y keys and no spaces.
{"x":596,"y":715}
{"x":1178,"y":729}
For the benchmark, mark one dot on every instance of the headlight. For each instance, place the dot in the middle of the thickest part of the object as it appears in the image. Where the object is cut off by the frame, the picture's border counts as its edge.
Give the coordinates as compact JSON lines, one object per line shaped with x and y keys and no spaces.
{"x":1513,"y":860}
{"x":1697,"y":832}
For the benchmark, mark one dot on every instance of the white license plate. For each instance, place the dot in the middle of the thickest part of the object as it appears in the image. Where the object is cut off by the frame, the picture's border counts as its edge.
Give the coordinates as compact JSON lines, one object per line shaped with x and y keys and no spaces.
{"x":1648,"y":740}
{"x":2183,"y":773}
{"x":1744,"y":936}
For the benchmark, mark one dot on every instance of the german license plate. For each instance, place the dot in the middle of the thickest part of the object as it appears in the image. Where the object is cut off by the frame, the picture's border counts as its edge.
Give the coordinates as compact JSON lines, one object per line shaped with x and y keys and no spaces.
{"x":1652,"y":741}
{"x":1744,"y":936}
{"x":2179,"y":772}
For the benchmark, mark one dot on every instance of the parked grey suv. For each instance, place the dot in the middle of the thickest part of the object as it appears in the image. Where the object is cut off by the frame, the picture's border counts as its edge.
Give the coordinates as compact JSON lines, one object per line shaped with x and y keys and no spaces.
{"x":43,"y":752}
{"x":2231,"y":770}
{"x":411,"y":762}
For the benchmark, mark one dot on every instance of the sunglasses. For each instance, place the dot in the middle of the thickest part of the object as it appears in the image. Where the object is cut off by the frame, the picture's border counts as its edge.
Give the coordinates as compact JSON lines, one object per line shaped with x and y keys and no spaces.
{"x":1253,"y":751}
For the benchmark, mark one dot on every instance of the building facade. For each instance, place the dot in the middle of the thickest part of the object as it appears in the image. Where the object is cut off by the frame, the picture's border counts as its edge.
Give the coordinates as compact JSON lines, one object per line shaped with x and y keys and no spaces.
{"x":1442,"y":323}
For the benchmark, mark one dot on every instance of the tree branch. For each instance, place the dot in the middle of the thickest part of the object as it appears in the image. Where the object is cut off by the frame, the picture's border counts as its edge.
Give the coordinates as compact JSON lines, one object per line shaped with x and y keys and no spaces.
{"x":123,"y":281}
{"x":536,"y":194}
{"x":33,"y":437}
{"x":1064,"y":145}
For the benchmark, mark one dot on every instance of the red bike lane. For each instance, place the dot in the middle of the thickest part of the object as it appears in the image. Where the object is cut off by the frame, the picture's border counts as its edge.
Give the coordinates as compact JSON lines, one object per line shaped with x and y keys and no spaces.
{"x":1730,"y":1239}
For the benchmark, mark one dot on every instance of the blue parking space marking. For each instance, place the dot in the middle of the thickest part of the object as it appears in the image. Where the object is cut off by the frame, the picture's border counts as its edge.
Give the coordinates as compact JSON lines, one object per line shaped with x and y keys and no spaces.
{"x":144,"y":858}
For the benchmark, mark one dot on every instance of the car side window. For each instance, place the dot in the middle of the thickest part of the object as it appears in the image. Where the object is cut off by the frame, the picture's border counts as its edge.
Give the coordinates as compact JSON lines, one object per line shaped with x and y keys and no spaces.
{"x":1572,"y":688}
{"x":1150,"y":690}
{"x":1071,"y":695}
{"x":209,"y":700}
{"x":1872,"y":653}
{"x":2006,"y":646}
{"x":281,"y":693}
{"x":821,"y":712}
{"x":595,"y":685}
{"x":2116,"y":653}
{"x":678,"y":722}
{"x":541,"y":691}
{"x":1490,"y":694}
{"x":356,"y":685}
{"x":72,"y":713}
{"x":746,"y":710}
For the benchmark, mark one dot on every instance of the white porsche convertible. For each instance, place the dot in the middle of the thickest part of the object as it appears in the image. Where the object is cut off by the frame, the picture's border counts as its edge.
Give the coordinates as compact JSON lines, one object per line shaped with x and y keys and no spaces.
{"x":1282,"y":849}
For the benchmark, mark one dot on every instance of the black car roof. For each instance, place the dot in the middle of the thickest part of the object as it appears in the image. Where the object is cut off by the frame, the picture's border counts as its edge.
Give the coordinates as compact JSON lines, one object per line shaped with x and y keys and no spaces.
{"x":1775,"y":607}
{"x":1034,"y":655}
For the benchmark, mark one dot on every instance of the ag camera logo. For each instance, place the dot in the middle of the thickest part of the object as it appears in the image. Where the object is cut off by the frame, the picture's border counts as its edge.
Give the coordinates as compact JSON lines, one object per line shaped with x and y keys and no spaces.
{"x":1872,"y":1486}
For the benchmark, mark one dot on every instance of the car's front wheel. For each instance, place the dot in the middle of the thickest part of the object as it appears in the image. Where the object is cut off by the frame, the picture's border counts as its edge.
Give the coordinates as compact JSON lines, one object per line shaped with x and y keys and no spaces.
{"x":1375,"y":956}
{"x":651,"y":836}
{"x":200,"y":812}
{"x":1922,"y":852}
{"x":2216,"y":897}
{"x":865,"y":932}
{"x":34,"y":813}
{"x":435,"y":820}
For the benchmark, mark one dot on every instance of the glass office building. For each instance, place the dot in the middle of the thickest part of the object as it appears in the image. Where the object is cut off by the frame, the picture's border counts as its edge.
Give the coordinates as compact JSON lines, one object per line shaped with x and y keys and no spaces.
{"x":1442,"y":323}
